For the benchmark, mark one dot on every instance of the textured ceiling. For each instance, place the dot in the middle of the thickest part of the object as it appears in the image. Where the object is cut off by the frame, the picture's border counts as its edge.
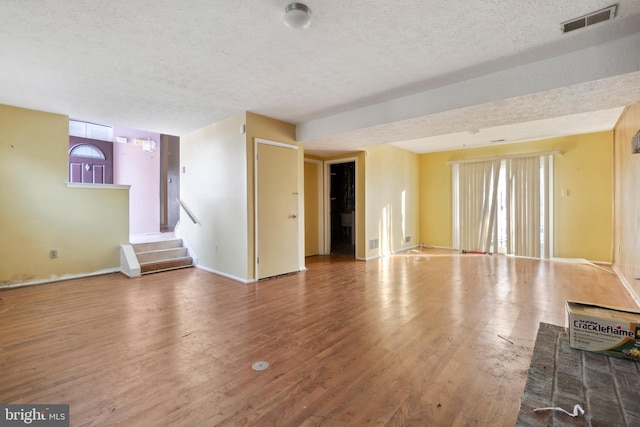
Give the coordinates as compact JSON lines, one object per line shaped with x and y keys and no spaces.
{"x":364,"y":72}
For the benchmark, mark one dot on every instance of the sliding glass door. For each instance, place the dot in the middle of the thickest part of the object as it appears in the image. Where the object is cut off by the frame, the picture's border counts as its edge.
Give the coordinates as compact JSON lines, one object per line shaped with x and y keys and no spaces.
{"x":502,"y":206}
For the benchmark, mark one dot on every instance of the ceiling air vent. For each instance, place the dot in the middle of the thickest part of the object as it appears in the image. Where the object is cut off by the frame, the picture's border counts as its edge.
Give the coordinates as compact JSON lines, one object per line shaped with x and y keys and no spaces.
{"x":590,"y":19}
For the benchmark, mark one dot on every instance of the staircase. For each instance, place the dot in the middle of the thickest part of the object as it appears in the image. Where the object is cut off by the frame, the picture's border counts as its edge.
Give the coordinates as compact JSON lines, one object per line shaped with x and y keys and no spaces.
{"x":162,"y":256}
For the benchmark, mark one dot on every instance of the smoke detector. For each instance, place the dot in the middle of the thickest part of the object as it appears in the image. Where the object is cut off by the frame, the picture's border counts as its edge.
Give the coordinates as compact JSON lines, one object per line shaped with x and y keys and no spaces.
{"x":589,"y":19}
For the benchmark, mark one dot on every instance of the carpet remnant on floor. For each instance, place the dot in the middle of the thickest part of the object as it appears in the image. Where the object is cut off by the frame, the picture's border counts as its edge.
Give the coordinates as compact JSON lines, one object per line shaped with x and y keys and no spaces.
{"x":607,"y":388}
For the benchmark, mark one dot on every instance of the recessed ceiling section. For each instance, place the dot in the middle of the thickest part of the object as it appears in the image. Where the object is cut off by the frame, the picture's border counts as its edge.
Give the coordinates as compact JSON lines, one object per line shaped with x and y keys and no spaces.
{"x":546,"y":90}
{"x":574,"y":124}
{"x":589,"y":97}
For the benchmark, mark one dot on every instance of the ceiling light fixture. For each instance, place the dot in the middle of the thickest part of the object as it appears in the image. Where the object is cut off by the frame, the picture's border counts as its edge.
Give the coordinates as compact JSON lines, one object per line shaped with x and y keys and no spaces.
{"x":149,"y":145}
{"x":297,"y":15}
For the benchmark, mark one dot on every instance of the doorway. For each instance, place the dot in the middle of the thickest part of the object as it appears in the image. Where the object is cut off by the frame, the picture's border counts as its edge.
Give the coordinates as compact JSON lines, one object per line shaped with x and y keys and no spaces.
{"x":342,"y":208}
{"x":90,"y":161}
{"x":169,"y":182}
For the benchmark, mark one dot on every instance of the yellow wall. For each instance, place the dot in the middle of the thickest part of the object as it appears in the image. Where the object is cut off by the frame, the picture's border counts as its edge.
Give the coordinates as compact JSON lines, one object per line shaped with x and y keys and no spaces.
{"x":435,"y":199}
{"x":312,"y":193}
{"x":40,"y":213}
{"x":263,"y":127}
{"x":392,"y":179}
{"x":627,"y":200}
{"x":582,"y":217}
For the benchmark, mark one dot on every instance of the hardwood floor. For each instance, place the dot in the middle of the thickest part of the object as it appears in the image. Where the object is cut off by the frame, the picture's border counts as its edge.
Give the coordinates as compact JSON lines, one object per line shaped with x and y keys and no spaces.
{"x":432,"y":339}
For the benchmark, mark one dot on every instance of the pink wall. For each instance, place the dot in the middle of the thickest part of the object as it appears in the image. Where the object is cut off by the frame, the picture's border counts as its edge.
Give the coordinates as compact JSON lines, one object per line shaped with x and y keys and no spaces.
{"x":140,"y":169}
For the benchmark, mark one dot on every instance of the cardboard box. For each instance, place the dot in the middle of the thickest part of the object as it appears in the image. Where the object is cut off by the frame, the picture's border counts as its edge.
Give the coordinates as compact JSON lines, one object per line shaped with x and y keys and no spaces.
{"x":608,"y":330}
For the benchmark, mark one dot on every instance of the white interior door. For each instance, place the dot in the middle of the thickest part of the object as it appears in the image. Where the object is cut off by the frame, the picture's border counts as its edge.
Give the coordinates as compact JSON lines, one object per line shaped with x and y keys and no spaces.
{"x":277,"y":209}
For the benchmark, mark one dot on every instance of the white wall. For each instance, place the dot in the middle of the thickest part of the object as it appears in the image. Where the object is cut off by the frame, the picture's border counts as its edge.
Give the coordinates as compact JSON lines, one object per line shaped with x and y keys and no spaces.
{"x":140,"y":169}
{"x":627,"y":201}
{"x":214,"y":187}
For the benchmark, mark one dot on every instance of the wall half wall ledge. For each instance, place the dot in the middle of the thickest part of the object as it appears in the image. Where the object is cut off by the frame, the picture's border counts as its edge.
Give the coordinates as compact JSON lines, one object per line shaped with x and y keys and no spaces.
{"x":101,"y":186}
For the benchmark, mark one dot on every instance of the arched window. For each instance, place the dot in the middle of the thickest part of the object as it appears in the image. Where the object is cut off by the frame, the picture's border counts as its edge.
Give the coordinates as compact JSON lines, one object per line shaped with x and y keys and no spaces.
{"x":87,"y":151}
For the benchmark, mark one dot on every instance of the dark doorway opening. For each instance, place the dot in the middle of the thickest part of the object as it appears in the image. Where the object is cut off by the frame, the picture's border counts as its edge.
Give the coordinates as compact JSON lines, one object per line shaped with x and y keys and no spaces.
{"x":169,"y":182}
{"x":343,"y":208}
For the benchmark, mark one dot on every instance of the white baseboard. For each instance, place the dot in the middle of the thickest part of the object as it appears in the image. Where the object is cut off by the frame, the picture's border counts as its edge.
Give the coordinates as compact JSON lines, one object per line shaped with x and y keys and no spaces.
{"x":580,"y":261}
{"x":438,"y":247}
{"x":55,"y":278}
{"x":190,"y":250}
{"x":627,"y":285}
{"x":228,"y":276}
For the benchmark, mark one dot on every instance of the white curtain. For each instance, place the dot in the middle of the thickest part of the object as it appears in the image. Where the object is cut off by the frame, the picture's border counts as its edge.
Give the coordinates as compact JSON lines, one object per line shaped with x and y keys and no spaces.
{"x":523,"y":206}
{"x":528,"y":206}
{"x":477,"y":201}
{"x":508,"y":213}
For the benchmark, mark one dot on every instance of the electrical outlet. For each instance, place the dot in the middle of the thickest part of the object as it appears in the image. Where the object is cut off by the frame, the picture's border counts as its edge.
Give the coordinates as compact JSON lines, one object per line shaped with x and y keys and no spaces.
{"x":53,"y":254}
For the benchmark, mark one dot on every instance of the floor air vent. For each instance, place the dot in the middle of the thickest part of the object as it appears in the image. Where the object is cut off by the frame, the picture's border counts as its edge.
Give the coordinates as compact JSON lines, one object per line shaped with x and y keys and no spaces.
{"x":590,"y":19}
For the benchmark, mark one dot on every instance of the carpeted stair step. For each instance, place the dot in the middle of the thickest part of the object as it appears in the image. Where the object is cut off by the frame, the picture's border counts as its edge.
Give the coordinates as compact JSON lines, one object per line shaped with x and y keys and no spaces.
{"x":156,"y":246}
{"x":164,"y":255}
{"x":161,"y":255}
{"x":164,"y":265}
